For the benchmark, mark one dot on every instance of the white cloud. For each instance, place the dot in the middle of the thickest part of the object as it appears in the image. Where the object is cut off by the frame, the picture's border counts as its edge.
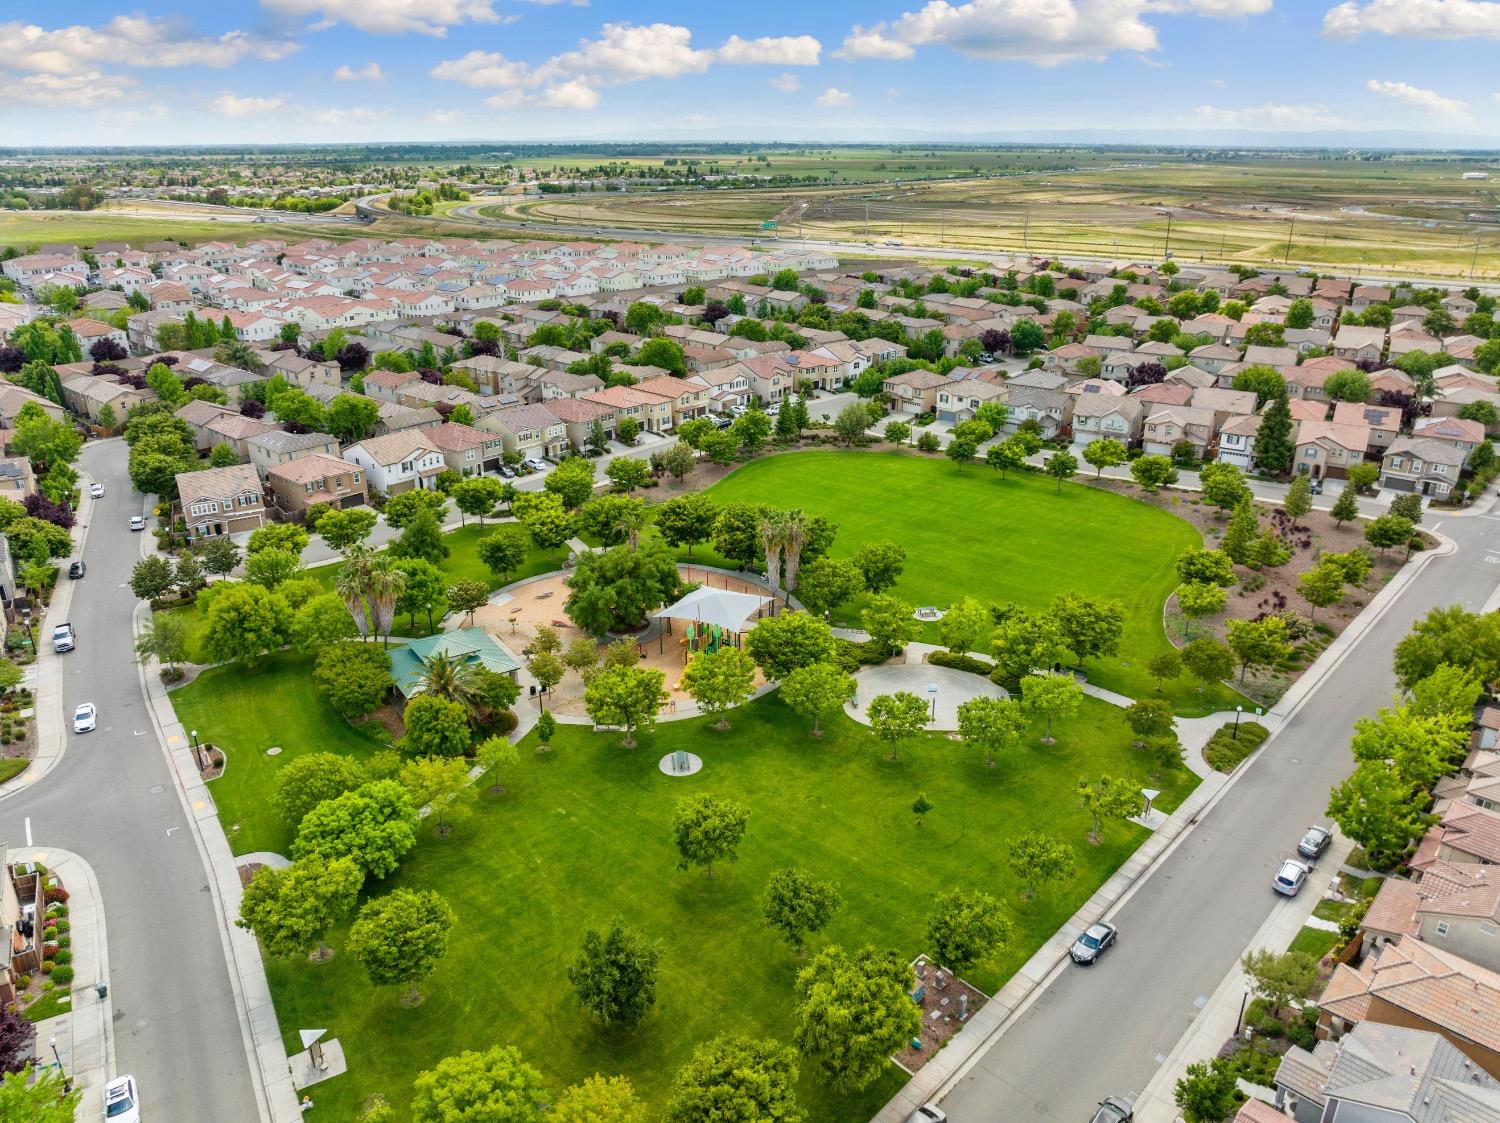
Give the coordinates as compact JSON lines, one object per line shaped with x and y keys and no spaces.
{"x":786,"y":50}
{"x":233,"y":105}
{"x":1044,"y":32}
{"x":573,"y":94}
{"x":391,"y":17}
{"x":1268,"y":115}
{"x":369,"y":72}
{"x":790,"y":83}
{"x":131,"y":41}
{"x":69,"y":91}
{"x":627,"y":52}
{"x":1417,"y":97}
{"x":340,"y":117}
{"x":862,"y":43}
{"x":1424,"y":19}
{"x":443,"y":116}
{"x":483,"y":70}
{"x":835,"y":98}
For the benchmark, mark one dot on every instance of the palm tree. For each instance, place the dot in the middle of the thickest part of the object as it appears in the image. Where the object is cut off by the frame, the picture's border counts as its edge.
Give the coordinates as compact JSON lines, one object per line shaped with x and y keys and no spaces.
{"x":353,"y":584}
{"x":632,"y":521}
{"x":443,"y":676}
{"x":773,"y":533}
{"x":385,"y":584}
{"x":794,"y":541}
{"x":238,"y":353}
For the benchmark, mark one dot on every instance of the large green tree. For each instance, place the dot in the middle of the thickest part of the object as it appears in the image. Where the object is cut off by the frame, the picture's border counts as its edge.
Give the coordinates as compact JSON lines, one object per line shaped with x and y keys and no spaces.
{"x":995,"y":725}
{"x":897,"y":717}
{"x":719,"y":680}
{"x":625,"y":697}
{"x":615,"y":975}
{"x":615,"y":590}
{"x":853,"y":1012}
{"x":796,"y":904}
{"x":290,"y":910}
{"x":736,"y":1080}
{"x":708,"y":829}
{"x":400,"y":937}
{"x":374,"y":824}
{"x":781,"y":644}
{"x":965,"y":926}
{"x":244,"y":623}
{"x":817,"y":690}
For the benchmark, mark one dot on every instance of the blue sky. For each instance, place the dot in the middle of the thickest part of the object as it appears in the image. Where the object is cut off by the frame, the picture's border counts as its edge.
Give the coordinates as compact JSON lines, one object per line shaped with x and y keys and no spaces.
{"x":318,"y":70}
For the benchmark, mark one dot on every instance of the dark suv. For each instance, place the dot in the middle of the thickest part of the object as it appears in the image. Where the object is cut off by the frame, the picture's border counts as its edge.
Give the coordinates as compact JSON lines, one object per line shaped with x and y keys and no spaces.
{"x":77,"y":569}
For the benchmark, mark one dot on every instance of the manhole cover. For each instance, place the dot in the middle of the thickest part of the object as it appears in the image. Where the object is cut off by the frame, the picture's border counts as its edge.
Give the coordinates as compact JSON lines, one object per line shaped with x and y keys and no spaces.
{"x":274,"y":750}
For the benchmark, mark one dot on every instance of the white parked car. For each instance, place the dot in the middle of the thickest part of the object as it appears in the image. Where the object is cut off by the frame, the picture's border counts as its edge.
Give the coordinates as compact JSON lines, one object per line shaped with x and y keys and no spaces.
{"x":97,"y":491}
{"x":122,"y":1103}
{"x":85,"y":718}
{"x":137,"y":522}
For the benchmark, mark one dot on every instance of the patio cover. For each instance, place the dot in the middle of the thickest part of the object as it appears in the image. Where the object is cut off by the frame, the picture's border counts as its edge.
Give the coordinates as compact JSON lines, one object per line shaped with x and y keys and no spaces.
{"x":716,"y":606}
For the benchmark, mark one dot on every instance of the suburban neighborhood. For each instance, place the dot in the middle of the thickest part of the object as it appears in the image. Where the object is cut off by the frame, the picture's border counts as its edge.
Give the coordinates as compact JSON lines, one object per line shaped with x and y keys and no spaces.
{"x":891,"y":612}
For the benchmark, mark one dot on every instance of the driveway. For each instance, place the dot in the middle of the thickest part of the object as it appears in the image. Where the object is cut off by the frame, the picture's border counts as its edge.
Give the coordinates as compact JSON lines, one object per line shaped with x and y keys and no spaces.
{"x":111,"y":799}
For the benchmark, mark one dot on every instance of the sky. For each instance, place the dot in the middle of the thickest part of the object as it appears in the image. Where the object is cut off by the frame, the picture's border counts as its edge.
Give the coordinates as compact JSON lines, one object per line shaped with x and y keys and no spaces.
{"x":267,"y":71}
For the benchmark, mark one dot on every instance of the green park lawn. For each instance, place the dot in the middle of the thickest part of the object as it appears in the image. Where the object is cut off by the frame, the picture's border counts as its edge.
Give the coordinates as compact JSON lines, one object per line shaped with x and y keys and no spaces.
{"x":580,"y":836}
{"x":967,"y":532}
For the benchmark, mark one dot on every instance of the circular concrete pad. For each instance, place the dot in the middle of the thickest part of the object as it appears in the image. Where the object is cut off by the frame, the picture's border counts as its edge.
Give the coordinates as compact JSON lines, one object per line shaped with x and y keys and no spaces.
{"x":953,"y":689}
{"x":693,"y":764}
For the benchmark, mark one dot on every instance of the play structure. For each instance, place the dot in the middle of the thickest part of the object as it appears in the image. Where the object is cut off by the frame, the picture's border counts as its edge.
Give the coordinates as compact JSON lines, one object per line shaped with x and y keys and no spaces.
{"x":711,"y":618}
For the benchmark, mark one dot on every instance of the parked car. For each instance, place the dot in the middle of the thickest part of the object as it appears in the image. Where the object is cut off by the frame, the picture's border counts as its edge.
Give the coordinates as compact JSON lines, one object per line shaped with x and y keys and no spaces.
{"x":536,"y":465}
{"x":63,"y":637}
{"x":928,"y":1113}
{"x":122,"y":1103}
{"x":1314,"y":842}
{"x":1316,"y":486}
{"x":1114,"y":1109}
{"x":137,"y":522}
{"x":507,"y":471}
{"x":76,"y":570}
{"x":97,"y":491}
{"x":1095,"y":941}
{"x":85,"y":718}
{"x":1290,"y":876}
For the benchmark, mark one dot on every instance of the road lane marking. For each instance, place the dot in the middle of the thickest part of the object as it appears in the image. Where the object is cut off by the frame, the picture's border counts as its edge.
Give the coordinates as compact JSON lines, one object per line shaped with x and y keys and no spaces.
{"x":28,"y":831}
{"x":171,"y":829}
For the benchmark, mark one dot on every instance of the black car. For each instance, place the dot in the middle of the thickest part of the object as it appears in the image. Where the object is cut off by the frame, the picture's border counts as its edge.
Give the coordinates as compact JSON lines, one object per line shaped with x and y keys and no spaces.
{"x":1094,"y":942}
{"x":76,"y":570}
{"x":1314,"y":842}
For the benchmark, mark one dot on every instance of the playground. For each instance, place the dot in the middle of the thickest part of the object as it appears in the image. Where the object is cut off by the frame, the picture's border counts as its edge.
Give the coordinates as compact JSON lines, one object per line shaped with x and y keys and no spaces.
{"x":663,"y":646}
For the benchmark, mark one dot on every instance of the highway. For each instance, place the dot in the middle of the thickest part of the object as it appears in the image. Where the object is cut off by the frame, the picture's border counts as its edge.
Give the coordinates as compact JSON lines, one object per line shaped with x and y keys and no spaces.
{"x":1104,"y":1030}
{"x":111,"y":799}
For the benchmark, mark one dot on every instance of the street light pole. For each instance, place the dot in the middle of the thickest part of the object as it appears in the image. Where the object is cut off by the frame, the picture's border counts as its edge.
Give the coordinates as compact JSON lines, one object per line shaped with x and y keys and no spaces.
{"x":197,"y":753}
{"x":1237,"y":711}
{"x":67,"y":1084}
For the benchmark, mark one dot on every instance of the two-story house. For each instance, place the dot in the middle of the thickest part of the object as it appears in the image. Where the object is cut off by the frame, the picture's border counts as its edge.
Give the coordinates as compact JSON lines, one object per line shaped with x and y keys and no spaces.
{"x":652,"y":412}
{"x":688,"y":399}
{"x":1422,"y":465}
{"x":1327,"y":449}
{"x":315,"y":478}
{"x":531,"y":430}
{"x":467,"y":450}
{"x":959,"y":399}
{"x":1097,"y":416}
{"x":1165,"y":426}
{"x":1383,"y":422}
{"x":266,"y":450}
{"x":398,"y":462}
{"x":219,"y":501}
{"x":915,"y":391}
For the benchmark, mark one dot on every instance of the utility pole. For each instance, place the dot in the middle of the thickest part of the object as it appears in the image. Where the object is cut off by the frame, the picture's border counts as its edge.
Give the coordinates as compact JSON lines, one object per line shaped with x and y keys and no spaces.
{"x":867,"y":220}
{"x":1166,"y":249}
{"x":1026,"y":231}
{"x":1290,"y":231}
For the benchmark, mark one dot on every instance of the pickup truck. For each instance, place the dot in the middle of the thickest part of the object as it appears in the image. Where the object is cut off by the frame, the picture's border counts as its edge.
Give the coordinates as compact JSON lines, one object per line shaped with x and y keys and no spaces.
{"x":62,"y":638}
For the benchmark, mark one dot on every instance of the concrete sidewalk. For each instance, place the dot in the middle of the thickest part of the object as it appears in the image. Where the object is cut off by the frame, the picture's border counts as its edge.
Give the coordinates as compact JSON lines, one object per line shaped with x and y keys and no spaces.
{"x":1216,"y":1022}
{"x":86,"y":1033}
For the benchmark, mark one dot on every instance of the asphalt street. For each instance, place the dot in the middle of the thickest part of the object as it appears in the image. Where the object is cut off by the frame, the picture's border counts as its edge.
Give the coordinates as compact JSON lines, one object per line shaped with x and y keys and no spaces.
{"x":111,"y":800}
{"x":1104,"y":1030}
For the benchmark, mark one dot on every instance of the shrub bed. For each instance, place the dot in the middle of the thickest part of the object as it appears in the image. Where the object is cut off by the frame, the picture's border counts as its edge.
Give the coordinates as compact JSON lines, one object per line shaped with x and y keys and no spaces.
{"x":958,"y":661}
{"x":1224,"y":751}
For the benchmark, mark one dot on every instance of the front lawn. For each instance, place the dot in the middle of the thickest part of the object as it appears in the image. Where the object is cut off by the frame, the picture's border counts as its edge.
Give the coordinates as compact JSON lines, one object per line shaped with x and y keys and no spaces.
{"x":581,"y":836}
{"x":967,"y":532}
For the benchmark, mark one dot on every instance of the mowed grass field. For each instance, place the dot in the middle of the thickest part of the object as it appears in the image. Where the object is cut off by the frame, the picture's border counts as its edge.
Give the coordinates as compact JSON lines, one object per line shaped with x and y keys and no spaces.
{"x":26,"y":230}
{"x":967,"y":532}
{"x":580,"y":836}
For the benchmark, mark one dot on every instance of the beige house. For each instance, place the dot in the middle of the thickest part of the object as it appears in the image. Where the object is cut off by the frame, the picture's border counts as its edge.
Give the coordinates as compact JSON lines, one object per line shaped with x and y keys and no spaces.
{"x":266,"y":450}
{"x":688,"y":399}
{"x":219,"y":501}
{"x":914,"y":391}
{"x":529,"y":431}
{"x":1167,"y":425}
{"x":1097,"y":416}
{"x":316,"y":478}
{"x":1461,"y":433}
{"x":87,"y":394}
{"x":17,"y":480}
{"x":1327,"y":449}
{"x":1422,"y":465}
{"x":652,"y":412}
{"x":1357,"y":343}
{"x":1384,"y":422}
{"x":467,"y":450}
{"x":960,"y":400}
{"x":235,"y":430}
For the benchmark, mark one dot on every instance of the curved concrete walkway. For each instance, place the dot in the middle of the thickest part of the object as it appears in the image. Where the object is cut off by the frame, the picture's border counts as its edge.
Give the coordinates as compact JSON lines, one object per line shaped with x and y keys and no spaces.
{"x":943,"y":688}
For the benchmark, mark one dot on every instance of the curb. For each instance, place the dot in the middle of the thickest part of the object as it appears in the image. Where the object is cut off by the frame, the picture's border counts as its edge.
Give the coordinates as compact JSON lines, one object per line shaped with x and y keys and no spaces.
{"x":914,"y":1093}
{"x":270,"y":1074}
{"x":91,"y":1026}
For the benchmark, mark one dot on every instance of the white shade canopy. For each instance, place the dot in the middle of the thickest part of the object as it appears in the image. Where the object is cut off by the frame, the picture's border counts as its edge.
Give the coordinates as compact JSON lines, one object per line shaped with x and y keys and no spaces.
{"x":716,"y":606}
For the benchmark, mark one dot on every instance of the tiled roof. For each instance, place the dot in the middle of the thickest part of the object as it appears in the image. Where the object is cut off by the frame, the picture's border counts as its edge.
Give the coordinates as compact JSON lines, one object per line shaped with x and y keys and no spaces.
{"x":392,"y":448}
{"x":218,"y":482}
{"x":312,"y":468}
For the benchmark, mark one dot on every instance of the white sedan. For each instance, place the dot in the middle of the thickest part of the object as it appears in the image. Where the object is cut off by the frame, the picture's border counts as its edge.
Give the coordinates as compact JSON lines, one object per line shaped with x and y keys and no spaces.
{"x":85,"y":718}
{"x":97,"y":491}
{"x":137,"y":522}
{"x":121,"y":1101}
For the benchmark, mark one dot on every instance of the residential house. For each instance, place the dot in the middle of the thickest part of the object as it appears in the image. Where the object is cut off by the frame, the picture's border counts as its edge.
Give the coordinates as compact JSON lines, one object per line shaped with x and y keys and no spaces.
{"x":1213,"y":357}
{"x":398,"y":462}
{"x":1412,"y":985}
{"x":1261,"y":355}
{"x":1461,"y":433}
{"x":960,"y":399}
{"x":728,"y":387}
{"x":915,"y":391}
{"x":269,"y":449}
{"x":1358,"y":343}
{"x":561,"y":384}
{"x":1422,"y":465}
{"x":578,"y":416}
{"x":467,"y":450}
{"x":1326,"y":449}
{"x":219,"y":501}
{"x":197,"y":415}
{"x":529,"y":431}
{"x":13,"y":398}
{"x":1049,"y":408}
{"x":1223,"y":403}
{"x":17,"y":480}
{"x":1165,"y":426}
{"x":235,"y":430}
{"x":1237,"y":441}
{"x":1383,"y":421}
{"x":300,"y":371}
{"x":651,"y":411}
{"x":1107,"y":415}
{"x":87,"y":394}
{"x":1379,"y":1073}
{"x":688,"y":399}
{"x":91,"y":332}
{"x":315,"y":478}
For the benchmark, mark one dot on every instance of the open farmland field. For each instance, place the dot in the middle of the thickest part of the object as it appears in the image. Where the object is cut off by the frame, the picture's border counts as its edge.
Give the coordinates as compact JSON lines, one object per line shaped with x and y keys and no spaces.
{"x":1388,"y":216}
{"x":26,"y":230}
